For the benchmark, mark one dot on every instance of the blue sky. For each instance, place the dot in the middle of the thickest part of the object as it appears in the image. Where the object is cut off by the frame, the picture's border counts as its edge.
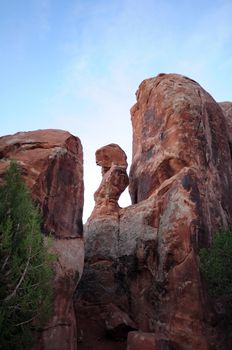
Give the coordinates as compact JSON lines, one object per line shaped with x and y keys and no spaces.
{"x":76,"y":64}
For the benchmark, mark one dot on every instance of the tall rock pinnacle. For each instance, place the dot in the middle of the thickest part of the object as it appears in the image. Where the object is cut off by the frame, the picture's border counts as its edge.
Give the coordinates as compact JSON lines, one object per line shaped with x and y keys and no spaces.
{"x":143,"y":259}
{"x":113,"y":161}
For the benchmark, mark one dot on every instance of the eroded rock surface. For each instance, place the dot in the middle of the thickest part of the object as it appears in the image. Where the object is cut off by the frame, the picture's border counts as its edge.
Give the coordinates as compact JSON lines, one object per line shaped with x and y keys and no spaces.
{"x":99,"y":318}
{"x":110,"y":154}
{"x":227,"y":110}
{"x":113,"y":162}
{"x":148,"y":341}
{"x":181,"y":159}
{"x":144,"y":260}
{"x":140,"y":340}
{"x":51,"y":162}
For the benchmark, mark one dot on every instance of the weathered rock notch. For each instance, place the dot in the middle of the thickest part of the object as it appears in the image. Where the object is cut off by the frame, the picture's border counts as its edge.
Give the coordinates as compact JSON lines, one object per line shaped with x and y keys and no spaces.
{"x":51,"y":163}
{"x":143,"y":259}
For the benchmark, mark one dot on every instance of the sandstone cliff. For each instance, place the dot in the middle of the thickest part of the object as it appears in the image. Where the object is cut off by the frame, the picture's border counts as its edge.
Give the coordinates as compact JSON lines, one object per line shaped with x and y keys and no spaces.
{"x":141,"y":262}
{"x":51,"y":162}
{"x":227,"y":110}
{"x":141,"y":287}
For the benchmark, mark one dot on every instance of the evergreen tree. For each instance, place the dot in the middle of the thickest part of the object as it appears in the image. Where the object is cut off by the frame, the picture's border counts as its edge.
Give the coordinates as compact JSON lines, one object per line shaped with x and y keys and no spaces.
{"x":216,"y":267}
{"x":25,"y":265}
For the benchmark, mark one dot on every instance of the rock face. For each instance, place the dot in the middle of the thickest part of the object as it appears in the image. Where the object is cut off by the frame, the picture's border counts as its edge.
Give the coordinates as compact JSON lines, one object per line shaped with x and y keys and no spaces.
{"x":97,"y":312}
{"x":227,"y":110}
{"x":51,"y":162}
{"x":112,"y":159}
{"x":52,"y":166}
{"x":177,"y":125}
{"x":148,"y":341}
{"x":140,"y":340}
{"x":144,"y":259}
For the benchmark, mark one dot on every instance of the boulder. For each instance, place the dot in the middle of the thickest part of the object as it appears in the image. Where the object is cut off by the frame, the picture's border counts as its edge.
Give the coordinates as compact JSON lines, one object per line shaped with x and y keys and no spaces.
{"x":110,"y":154}
{"x":51,"y":163}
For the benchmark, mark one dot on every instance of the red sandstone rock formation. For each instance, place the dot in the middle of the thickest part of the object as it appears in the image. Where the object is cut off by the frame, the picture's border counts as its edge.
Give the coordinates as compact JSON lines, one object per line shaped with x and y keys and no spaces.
{"x":112,"y":159}
{"x":144,"y":260}
{"x":148,"y":341}
{"x":111,"y":154}
{"x":51,"y":164}
{"x":102,"y":230}
{"x":227,"y":110}
{"x":140,"y":340}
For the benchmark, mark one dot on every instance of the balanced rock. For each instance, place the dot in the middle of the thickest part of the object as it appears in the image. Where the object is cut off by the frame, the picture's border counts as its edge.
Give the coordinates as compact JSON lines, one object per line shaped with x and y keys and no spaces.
{"x":109,"y":155}
{"x":97,"y":290}
{"x":113,"y":161}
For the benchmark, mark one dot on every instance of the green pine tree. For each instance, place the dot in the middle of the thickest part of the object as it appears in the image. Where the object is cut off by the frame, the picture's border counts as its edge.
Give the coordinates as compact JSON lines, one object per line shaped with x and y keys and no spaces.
{"x":25,"y":265}
{"x":216,"y":267}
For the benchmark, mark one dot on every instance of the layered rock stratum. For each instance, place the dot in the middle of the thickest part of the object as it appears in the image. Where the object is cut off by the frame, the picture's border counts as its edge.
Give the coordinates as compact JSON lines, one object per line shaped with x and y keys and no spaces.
{"x":143,"y":260}
{"x":51,"y":163}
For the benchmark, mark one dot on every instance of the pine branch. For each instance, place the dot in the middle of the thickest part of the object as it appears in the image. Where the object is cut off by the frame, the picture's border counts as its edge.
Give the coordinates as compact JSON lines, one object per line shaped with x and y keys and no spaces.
{"x":5,"y":262}
{"x":25,"y":322}
{"x":21,"y":279}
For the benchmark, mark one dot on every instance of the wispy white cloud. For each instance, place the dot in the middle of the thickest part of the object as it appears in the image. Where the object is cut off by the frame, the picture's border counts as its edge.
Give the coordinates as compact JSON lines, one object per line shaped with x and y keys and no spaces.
{"x":120,"y":43}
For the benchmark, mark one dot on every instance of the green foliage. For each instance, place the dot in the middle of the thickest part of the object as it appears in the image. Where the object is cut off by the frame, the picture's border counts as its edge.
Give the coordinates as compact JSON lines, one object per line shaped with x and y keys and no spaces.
{"x":216,"y":267}
{"x":25,"y":265}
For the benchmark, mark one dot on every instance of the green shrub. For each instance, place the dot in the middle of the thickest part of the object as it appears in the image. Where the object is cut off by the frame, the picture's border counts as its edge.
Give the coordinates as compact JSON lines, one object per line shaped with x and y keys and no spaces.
{"x":25,"y":265}
{"x":216,"y":267}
